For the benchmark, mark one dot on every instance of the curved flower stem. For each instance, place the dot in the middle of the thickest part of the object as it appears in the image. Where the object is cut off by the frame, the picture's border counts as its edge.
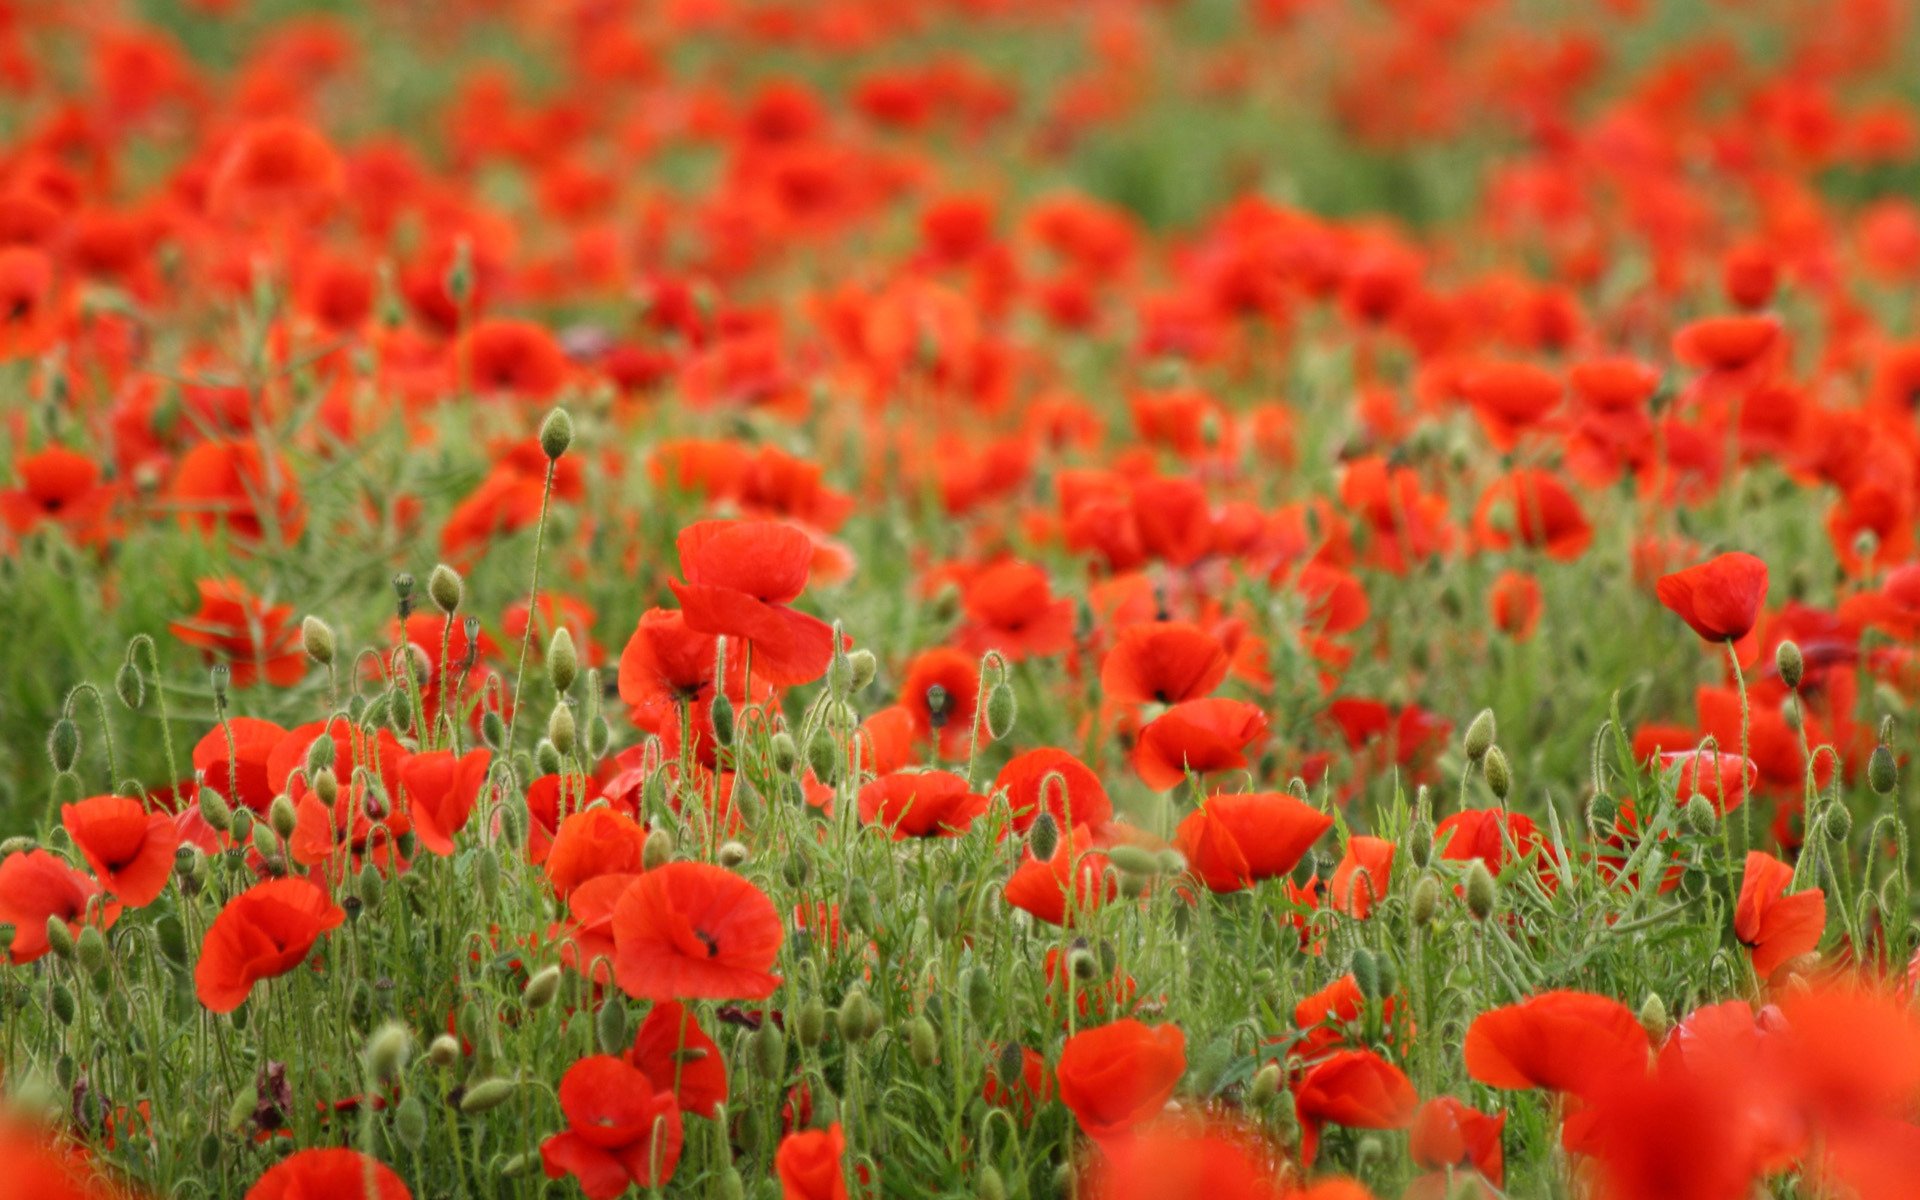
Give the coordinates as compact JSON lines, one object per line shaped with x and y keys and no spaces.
{"x":106,"y":728}
{"x":533,"y":605}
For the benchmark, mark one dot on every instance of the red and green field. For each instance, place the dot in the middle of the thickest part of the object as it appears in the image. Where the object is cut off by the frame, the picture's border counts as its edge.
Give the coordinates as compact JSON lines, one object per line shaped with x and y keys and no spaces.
{"x":839,"y":599}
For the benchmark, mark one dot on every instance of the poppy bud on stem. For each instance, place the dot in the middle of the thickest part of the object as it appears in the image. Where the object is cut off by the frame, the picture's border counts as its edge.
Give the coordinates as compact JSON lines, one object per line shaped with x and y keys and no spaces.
{"x":446,"y":589}
{"x":556,"y":433}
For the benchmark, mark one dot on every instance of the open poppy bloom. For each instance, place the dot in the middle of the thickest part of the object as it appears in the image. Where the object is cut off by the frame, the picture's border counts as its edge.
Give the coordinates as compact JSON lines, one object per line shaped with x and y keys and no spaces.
{"x":1775,"y":926}
{"x":255,"y":639}
{"x":1187,"y":1157}
{"x":1562,"y":1041}
{"x":1450,"y":1135}
{"x":1720,"y":599}
{"x":1509,"y":398}
{"x":742,"y":577}
{"x":1073,"y":881}
{"x":1054,"y":780}
{"x":1198,"y":736}
{"x":1355,"y":1088}
{"x":1234,"y":841}
{"x":693,"y":931}
{"x":440,"y":788}
{"x":262,"y":933}
{"x":623,"y":1130}
{"x":1117,"y":1076}
{"x":670,"y":1046}
{"x":60,"y":487}
{"x":130,"y":849}
{"x":593,"y":842}
{"x":37,"y":887}
{"x":234,"y":486}
{"x":1162,"y":662}
{"x":1363,"y":875}
{"x":276,"y":171}
{"x":809,"y":1164}
{"x":921,"y":804}
{"x":329,"y":1172}
{"x":517,"y":359}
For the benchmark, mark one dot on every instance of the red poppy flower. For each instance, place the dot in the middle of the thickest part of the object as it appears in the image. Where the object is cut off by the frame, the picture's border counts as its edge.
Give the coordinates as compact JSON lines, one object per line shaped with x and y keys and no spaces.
{"x":222,"y":485}
{"x":1355,"y":1088}
{"x":1532,"y":508}
{"x":1117,"y":1076}
{"x":693,"y":931}
{"x":586,"y":938}
{"x":312,"y":1173}
{"x":951,"y":715}
{"x":37,"y":887}
{"x":670,"y":1046}
{"x":1509,"y":398}
{"x":255,"y":639}
{"x":1450,"y":1135}
{"x":1363,"y":876}
{"x":623,"y":1130}
{"x":1076,"y":872}
{"x":1198,"y":736}
{"x":130,"y":849}
{"x":1714,"y":774}
{"x":921,"y":804}
{"x":440,"y":789}
{"x":1010,"y":608}
{"x":60,"y":486}
{"x":809,"y":1164}
{"x":1488,"y":834}
{"x":594,"y":842}
{"x":1720,"y":599}
{"x":1514,"y":604}
{"x":262,"y":933}
{"x":1327,"y":1019}
{"x":276,"y":170}
{"x":1774,"y":925}
{"x":1162,"y":662}
{"x":1560,"y":1041}
{"x":1233,"y":842}
{"x":1189,"y":1158}
{"x":741,"y":578}
{"x":518,"y":359}
{"x":240,"y":771}
{"x":1055,"y":780}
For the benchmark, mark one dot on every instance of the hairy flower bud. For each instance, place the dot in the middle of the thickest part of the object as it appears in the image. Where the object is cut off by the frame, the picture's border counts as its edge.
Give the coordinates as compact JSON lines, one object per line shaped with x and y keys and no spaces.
{"x":446,"y":589}
{"x":1426,"y":900}
{"x":1788,"y":660}
{"x":561,"y":730}
{"x":387,"y":1051}
{"x":556,"y":433}
{"x":865,"y":667}
{"x":1002,"y":710}
{"x":1481,"y":890}
{"x":658,"y":851}
{"x":63,"y":745}
{"x":486,"y":1095}
{"x":1043,"y":836}
{"x":130,"y":685}
{"x":563,"y":661}
{"x":1480,"y":734}
{"x":1654,"y":1019}
{"x":1883,"y":774}
{"x":1499,"y":774}
{"x":542,"y":988}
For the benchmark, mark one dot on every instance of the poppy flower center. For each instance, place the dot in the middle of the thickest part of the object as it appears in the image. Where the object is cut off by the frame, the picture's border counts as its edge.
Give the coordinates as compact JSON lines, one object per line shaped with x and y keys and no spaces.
{"x":709,"y":941}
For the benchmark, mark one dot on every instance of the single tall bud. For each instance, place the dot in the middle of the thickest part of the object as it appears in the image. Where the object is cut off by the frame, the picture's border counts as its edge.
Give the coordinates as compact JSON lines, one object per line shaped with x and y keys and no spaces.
{"x":1499,"y":774}
{"x":63,"y":745}
{"x":1481,"y":892}
{"x":1883,"y":774}
{"x":1002,"y":710}
{"x":317,"y":640}
{"x":1790,"y":663}
{"x":446,"y":589}
{"x":1480,"y":735}
{"x":1043,"y":837}
{"x":563,"y":661}
{"x":556,"y":433}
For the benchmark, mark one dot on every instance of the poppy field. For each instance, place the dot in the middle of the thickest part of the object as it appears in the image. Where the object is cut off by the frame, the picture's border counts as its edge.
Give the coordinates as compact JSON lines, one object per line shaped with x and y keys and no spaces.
{"x":1008,"y":599}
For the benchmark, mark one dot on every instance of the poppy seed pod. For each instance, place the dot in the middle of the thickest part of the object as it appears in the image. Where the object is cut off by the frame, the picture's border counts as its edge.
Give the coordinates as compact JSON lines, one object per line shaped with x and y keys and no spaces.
{"x":1481,"y":891}
{"x":1499,"y":774}
{"x":1883,"y":774}
{"x":218,"y":679}
{"x":1788,"y":660}
{"x":387,"y":1051}
{"x":563,"y":661}
{"x":1480,"y":734}
{"x":446,"y":589}
{"x":317,"y":640}
{"x":556,"y":433}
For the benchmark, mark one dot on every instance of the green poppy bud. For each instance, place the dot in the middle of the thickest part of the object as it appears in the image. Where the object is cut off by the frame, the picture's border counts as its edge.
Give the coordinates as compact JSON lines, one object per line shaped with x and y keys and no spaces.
{"x":446,"y":589}
{"x":1002,"y":710}
{"x":387,"y":1051}
{"x":865,"y":667}
{"x":610,"y":1027}
{"x":1883,"y":774}
{"x":731,"y":855}
{"x":1480,"y":734}
{"x":658,"y":851}
{"x":556,"y":433}
{"x":1366,"y":973}
{"x":1499,"y":774}
{"x":1043,"y":836}
{"x":1420,"y":843}
{"x":1654,"y":1019}
{"x":560,"y":728}
{"x":721,"y":712}
{"x":59,"y":937}
{"x":1266,"y":1084}
{"x":63,"y":745}
{"x":1788,"y":660}
{"x":1481,"y":890}
{"x":130,"y":685}
{"x":810,"y":1022}
{"x":923,"y":1044}
{"x":444,"y":1051}
{"x":542,"y":988}
{"x":410,"y":1123}
{"x":785,"y":754}
{"x":563,"y":661}
{"x":486,"y":1095}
